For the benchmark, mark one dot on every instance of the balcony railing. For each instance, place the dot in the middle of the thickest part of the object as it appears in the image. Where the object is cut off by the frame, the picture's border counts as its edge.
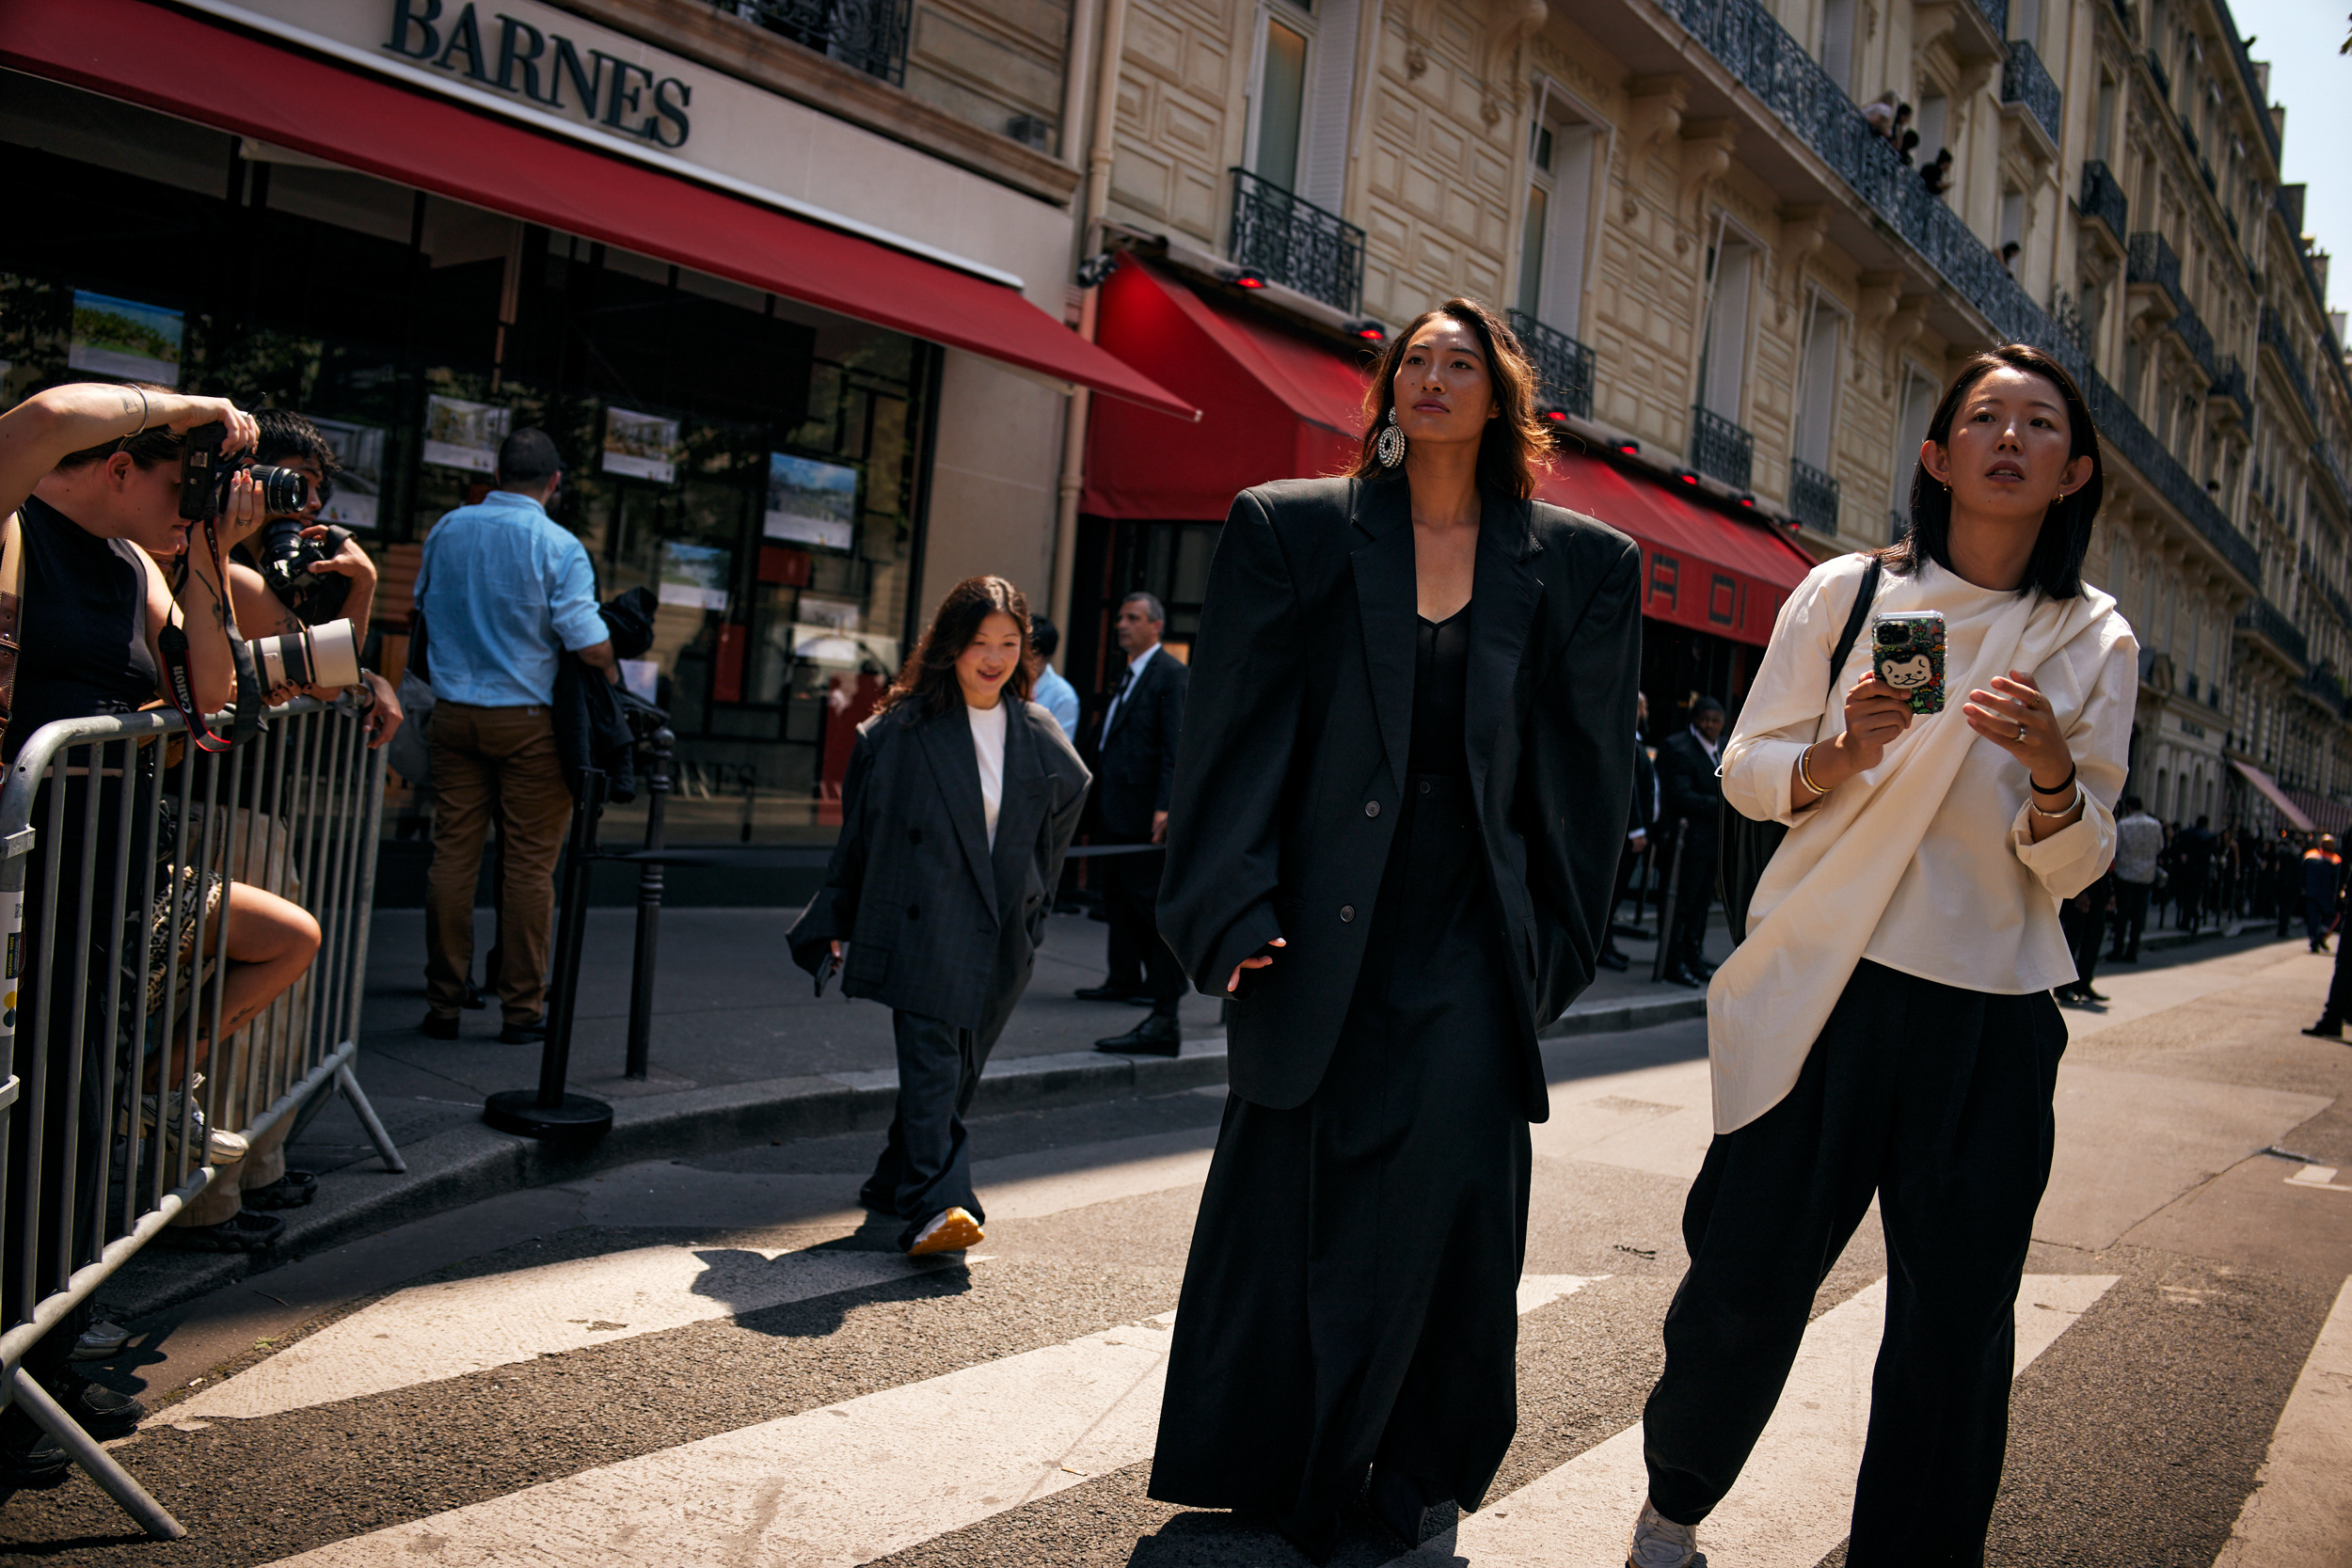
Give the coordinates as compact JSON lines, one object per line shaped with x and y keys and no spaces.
{"x":1995,"y":13}
{"x":2102,"y":198}
{"x":2150,"y":260}
{"x":2025,"y":81}
{"x":1769,"y":63}
{"x":2266,"y":620}
{"x":2228,"y":381}
{"x":1565,"y":365}
{"x":866,"y":35}
{"x":2164,"y":78}
{"x":1812,"y":497}
{"x":1297,"y":244}
{"x":2324,"y":460}
{"x":1720,"y":449}
{"x":2273,"y":336}
{"x":2190,"y":327}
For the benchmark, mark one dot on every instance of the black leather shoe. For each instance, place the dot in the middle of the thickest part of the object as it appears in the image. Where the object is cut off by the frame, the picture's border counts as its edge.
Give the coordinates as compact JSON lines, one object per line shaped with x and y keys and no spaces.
{"x":436,"y":1027}
{"x":1678,"y":976}
{"x":38,"y":1468}
{"x":1112,"y":994}
{"x":533,"y":1033}
{"x":1156,"y":1035}
{"x":1699,"y":967}
{"x":1609,"y":958}
{"x":475,"y":1001}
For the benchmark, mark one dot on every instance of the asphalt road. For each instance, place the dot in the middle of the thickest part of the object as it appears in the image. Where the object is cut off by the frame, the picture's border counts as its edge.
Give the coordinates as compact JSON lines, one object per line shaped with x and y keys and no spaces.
{"x":720,"y":1362}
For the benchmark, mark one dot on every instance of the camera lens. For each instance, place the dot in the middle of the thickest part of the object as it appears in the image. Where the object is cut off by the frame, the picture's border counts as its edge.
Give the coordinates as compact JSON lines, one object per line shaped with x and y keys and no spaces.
{"x":283,"y":490}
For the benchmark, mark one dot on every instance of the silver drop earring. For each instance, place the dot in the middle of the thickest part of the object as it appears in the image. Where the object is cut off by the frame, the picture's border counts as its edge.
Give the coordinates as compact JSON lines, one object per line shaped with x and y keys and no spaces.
{"x":1389,"y":449}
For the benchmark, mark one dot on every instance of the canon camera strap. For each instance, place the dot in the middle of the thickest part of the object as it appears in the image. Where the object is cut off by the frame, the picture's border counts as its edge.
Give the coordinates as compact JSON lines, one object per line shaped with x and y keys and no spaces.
{"x":180,"y":681}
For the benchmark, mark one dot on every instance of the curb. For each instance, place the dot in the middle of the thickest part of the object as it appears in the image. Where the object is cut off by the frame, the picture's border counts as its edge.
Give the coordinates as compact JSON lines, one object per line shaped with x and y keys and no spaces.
{"x":466,"y":1165}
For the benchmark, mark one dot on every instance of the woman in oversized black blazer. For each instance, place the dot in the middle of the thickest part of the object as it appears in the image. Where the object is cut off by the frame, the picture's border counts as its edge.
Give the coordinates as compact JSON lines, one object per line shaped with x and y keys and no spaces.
{"x":937,"y":892}
{"x":1399,"y":799}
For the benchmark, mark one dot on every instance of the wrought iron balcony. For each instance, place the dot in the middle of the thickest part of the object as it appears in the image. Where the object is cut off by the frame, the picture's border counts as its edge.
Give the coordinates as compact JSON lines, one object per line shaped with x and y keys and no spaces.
{"x":1565,"y":365}
{"x":2150,"y":260}
{"x":2102,"y":198}
{"x":1297,"y":244}
{"x":2268,"y":621}
{"x":2324,"y":460}
{"x":2190,"y":327}
{"x":1812,"y":497}
{"x":868,"y":34}
{"x":2229,"y":383}
{"x":1720,"y":449}
{"x":1995,"y":13}
{"x":2272,"y":334}
{"x":2025,"y":81}
{"x":1772,"y":64}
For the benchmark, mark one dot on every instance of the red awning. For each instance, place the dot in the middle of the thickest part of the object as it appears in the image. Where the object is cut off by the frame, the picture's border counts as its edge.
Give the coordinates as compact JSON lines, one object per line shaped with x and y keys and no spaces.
{"x":1274,"y":404}
{"x":2270,"y":791}
{"x":1699,"y":568}
{"x":167,"y":59}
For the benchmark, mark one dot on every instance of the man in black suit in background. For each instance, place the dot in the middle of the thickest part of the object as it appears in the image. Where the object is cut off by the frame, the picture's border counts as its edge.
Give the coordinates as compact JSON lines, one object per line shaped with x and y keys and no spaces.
{"x":1692,"y":793}
{"x":1134,"y":767}
{"x":1642,"y":823}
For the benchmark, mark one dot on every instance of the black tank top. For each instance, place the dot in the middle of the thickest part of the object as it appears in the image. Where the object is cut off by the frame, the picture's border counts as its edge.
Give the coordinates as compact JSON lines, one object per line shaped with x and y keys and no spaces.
{"x":84,"y":625}
{"x":1441,"y":685}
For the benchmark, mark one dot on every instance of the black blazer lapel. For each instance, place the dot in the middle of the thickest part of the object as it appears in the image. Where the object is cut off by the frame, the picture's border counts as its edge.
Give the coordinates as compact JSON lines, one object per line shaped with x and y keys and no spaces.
{"x":947,"y":745}
{"x":1387,"y":601}
{"x":1024,"y":805}
{"x":1503,"y":591}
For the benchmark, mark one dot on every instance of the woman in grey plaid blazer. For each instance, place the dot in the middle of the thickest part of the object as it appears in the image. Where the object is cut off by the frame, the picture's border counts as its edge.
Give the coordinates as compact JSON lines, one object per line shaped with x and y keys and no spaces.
{"x":961,"y":799}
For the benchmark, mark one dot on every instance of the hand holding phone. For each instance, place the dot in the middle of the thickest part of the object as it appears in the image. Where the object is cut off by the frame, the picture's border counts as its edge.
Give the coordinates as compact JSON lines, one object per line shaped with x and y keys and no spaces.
{"x":1907,"y":653}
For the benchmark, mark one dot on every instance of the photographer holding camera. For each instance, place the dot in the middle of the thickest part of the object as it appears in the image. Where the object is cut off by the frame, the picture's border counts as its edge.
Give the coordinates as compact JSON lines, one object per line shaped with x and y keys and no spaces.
{"x":95,"y":480}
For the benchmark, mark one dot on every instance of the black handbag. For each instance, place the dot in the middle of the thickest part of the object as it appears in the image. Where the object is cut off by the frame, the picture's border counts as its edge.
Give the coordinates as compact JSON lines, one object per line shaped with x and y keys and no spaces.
{"x":1747,"y":844}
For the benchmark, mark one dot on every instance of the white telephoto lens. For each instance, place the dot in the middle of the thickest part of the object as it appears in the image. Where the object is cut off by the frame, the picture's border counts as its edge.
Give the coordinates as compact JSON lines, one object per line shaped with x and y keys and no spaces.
{"x":334,"y":654}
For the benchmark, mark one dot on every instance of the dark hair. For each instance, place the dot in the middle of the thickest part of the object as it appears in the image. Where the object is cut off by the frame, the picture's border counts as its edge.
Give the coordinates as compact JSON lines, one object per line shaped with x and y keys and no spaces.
{"x":285,"y":433}
{"x":2056,"y":565}
{"x":1513,"y":442}
{"x":154,"y":445}
{"x":1159,"y":611}
{"x":1704,"y":707}
{"x":528,"y":456}
{"x":927,"y":679}
{"x":1043,"y":635}
{"x":2131,"y":804}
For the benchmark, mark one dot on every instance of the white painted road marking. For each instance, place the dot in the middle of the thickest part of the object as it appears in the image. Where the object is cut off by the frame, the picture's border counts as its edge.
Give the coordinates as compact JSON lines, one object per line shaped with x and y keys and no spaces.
{"x":843,"y":1484}
{"x":2301,"y":1510}
{"x":1792,"y":1502}
{"x":2321,"y":1177}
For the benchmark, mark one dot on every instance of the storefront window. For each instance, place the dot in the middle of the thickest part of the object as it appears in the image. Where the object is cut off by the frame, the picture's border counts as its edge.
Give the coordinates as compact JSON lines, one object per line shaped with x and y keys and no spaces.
{"x":752,"y":463}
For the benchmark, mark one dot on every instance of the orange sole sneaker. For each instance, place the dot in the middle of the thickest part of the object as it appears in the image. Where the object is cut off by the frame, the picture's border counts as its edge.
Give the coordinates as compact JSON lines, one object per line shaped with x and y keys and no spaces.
{"x":953,"y":1232}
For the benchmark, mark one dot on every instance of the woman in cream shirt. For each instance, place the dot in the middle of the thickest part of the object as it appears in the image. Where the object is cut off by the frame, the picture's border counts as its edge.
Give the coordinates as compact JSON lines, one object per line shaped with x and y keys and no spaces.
{"x":1885,"y":1028}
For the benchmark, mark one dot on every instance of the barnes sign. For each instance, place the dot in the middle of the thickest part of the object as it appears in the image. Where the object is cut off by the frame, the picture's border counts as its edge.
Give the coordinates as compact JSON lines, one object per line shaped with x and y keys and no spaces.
{"x":511,"y":55}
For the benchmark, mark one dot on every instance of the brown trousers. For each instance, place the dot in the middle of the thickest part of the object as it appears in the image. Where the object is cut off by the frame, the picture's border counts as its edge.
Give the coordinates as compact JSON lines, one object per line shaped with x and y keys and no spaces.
{"x":490,"y":760}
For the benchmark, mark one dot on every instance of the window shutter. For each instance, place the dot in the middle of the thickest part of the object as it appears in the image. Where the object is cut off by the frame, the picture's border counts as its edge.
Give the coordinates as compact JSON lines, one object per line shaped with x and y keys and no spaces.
{"x":1330,"y":102}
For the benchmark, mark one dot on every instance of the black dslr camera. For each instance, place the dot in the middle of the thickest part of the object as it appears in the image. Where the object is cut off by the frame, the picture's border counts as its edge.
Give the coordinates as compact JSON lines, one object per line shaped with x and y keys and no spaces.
{"x":285,"y":556}
{"x":204,"y":476}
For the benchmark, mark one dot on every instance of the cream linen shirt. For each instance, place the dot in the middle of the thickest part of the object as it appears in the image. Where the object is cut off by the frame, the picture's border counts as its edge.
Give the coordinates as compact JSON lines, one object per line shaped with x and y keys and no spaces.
{"x":1923,"y":864}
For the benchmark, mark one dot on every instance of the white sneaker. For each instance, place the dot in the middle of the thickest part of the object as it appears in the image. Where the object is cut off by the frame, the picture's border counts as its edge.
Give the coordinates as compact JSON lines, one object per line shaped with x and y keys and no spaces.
{"x":1660,"y":1542}
{"x":101,"y":1340}
{"x":176,"y":1110}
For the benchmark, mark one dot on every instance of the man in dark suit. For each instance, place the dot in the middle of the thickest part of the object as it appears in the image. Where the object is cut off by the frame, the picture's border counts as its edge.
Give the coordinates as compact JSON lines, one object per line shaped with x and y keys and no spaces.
{"x":1693,"y":794}
{"x":1134,"y":768}
{"x":1642,"y":822}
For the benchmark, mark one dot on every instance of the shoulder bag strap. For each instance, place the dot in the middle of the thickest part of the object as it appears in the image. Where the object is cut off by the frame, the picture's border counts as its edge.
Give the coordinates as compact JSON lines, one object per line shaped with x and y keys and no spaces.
{"x":1866,"y":597}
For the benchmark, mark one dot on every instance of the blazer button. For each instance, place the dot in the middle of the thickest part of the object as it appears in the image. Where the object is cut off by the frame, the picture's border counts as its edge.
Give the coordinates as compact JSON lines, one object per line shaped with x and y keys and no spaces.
{"x":1371,"y":808}
{"x":1347,"y":912}
{"x":915,"y":912}
{"x":1425,"y":787}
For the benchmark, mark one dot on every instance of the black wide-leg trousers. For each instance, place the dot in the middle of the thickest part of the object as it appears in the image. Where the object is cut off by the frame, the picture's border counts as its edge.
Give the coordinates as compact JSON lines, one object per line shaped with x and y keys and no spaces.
{"x":1938,"y":1101}
{"x":926,"y":1163}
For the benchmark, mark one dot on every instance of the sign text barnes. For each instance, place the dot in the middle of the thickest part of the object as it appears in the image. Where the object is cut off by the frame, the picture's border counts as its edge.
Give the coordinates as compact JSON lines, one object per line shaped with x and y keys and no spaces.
{"x":517,"y":58}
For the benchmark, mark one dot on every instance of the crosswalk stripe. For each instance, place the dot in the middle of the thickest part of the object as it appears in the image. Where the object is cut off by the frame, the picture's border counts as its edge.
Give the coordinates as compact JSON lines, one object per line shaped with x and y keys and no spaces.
{"x":839,"y":1485}
{"x":1793,"y":1499}
{"x":447,"y":1329}
{"x":2301,"y":1510}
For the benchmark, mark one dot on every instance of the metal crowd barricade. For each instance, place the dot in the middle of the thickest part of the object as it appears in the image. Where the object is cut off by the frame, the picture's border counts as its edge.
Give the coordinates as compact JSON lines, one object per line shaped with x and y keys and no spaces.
{"x":119,"y":847}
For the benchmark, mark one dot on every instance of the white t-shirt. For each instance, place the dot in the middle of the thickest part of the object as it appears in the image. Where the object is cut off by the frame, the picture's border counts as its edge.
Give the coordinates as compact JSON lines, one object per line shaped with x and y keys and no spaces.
{"x":988,"y":744}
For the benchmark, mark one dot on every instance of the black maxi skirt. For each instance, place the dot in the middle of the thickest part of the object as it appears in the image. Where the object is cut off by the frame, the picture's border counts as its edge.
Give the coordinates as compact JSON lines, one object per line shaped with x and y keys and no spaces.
{"x":1351,"y":1296}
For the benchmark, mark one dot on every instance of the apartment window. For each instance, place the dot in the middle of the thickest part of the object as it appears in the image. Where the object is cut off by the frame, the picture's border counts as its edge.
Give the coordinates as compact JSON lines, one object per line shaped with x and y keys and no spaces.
{"x":1281,"y":104}
{"x":1930,"y":122}
{"x":2102,"y":124}
{"x":1911,"y":430}
{"x":2013,"y":223}
{"x":1724,"y":350}
{"x":1837,"y":42}
{"x":2024,"y":21}
{"x":1817,"y":384}
{"x":1552,"y":237}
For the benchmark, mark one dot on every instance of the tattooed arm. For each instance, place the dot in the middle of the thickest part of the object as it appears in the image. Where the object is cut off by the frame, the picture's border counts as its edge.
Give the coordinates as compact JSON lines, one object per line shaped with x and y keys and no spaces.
{"x":41,"y":431}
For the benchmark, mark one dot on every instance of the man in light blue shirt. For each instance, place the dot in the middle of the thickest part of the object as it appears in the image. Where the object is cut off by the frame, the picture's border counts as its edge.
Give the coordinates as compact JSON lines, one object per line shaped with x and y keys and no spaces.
{"x":503,"y":595}
{"x":1047,"y":688}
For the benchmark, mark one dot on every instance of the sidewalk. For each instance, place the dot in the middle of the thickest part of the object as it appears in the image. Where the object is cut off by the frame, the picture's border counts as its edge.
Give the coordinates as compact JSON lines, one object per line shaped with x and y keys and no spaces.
{"x":742,"y":1052}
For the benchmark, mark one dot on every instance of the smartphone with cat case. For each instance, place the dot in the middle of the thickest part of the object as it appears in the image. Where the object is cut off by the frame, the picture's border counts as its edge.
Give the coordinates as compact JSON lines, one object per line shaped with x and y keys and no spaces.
{"x":1907,"y":653}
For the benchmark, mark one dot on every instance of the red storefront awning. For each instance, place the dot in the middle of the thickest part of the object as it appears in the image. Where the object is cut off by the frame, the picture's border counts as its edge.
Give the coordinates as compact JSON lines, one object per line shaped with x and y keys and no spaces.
{"x":1700,"y":568}
{"x":218,"y":75}
{"x":2268,"y":788}
{"x":1274,"y":404}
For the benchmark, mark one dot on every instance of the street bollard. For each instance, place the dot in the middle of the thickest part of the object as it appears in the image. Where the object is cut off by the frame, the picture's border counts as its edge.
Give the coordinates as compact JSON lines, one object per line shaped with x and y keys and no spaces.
{"x":1666,"y":913}
{"x":648,"y":911}
{"x":549,"y":1111}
